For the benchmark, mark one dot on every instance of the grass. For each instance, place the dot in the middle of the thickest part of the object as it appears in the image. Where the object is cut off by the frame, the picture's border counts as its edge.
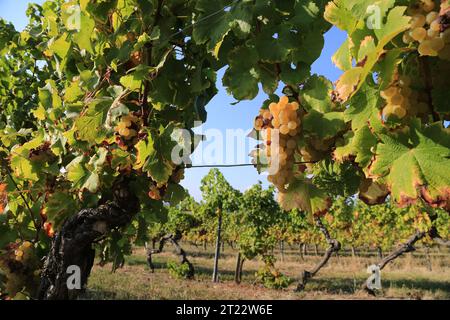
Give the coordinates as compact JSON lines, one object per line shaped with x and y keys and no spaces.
{"x":406,"y":278}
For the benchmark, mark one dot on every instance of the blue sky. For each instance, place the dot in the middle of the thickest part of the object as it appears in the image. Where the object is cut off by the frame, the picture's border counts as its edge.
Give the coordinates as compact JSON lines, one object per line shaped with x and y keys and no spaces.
{"x":221,"y":114}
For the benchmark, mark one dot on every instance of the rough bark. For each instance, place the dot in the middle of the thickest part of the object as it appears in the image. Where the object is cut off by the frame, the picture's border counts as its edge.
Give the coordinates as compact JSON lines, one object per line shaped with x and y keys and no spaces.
{"x":72,"y":246}
{"x":406,"y":247}
{"x":238,"y":271}
{"x":316,"y":250}
{"x":300,"y":249}
{"x":305,"y":249}
{"x":282,"y":250}
{"x":334,"y":246}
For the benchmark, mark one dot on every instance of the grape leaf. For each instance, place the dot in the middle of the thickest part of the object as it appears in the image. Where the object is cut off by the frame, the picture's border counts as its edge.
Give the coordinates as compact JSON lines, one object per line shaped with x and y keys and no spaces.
{"x":81,"y":177}
{"x":415,"y":167}
{"x":220,"y":21}
{"x":90,"y":126}
{"x":330,"y":123}
{"x":241,"y":78}
{"x":58,"y":207}
{"x":316,"y":94}
{"x":359,"y":145}
{"x":343,"y":58}
{"x":304,"y":195}
{"x":353,"y":79}
{"x":364,"y":109}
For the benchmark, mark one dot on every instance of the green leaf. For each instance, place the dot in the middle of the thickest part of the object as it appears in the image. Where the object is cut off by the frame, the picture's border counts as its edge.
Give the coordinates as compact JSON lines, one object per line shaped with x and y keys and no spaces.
{"x":338,"y":12}
{"x":324,"y":125}
{"x":60,"y":46}
{"x":144,"y":149}
{"x":174,"y":194}
{"x":316,"y":94}
{"x":158,"y":168}
{"x":416,"y":165}
{"x":58,"y":207}
{"x":90,"y":126}
{"x":81,"y":177}
{"x":353,"y":79}
{"x":364,"y":109}
{"x":302,"y":194}
{"x":83,"y":37}
{"x":387,"y":67}
{"x":133,"y":81}
{"x":213,"y":24}
{"x":358,"y":145}
{"x":73,"y":92}
{"x":343,"y":58}
{"x":21,"y":165}
{"x":241,"y":78}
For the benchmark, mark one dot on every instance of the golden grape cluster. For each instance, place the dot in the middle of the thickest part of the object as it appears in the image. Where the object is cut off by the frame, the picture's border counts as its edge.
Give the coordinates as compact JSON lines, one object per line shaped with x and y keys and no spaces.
{"x":429,"y":29}
{"x":281,"y":119}
{"x":401,"y":100}
{"x":127,"y":131}
{"x":18,"y":263}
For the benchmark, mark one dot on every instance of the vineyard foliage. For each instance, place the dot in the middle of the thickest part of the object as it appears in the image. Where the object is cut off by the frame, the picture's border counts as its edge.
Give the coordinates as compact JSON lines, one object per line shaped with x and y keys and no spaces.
{"x":94,"y":92}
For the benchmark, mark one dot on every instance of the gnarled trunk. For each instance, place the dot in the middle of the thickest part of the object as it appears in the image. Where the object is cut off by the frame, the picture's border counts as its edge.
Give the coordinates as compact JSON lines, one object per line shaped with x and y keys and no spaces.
{"x":174,"y":239}
{"x":334,"y":246}
{"x":72,"y":246}
{"x":408,"y":246}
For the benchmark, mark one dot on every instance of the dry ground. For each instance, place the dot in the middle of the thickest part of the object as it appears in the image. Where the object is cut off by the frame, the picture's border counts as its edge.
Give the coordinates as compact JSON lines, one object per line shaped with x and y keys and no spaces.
{"x":407,"y":278}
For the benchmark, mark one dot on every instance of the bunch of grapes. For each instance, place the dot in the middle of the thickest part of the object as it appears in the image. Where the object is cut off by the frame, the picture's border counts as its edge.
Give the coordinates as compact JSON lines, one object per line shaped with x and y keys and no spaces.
{"x":127,"y":131}
{"x":281,"y":119}
{"x":19,"y":265}
{"x":46,"y":225}
{"x":136,"y":58}
{"x":430,"y":29}
{"x":397,"y":98}
{"x":402,"y":100}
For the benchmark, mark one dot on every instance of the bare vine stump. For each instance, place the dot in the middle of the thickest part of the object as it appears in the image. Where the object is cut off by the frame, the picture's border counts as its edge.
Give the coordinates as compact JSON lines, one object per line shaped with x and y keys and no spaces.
{"x":334,"y":246}
{"x":300,"y":249}
{"x":380,"y":252}
{"x":174,"y":239}
{"x":354,"y":254}
{"x":239,"y":265}
{"x":427,"y":255}
{"x":72,"y":246}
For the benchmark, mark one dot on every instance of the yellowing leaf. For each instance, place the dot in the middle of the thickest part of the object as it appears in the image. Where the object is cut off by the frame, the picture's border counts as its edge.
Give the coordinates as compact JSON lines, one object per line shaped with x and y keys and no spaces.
{"x":304,"y":195}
